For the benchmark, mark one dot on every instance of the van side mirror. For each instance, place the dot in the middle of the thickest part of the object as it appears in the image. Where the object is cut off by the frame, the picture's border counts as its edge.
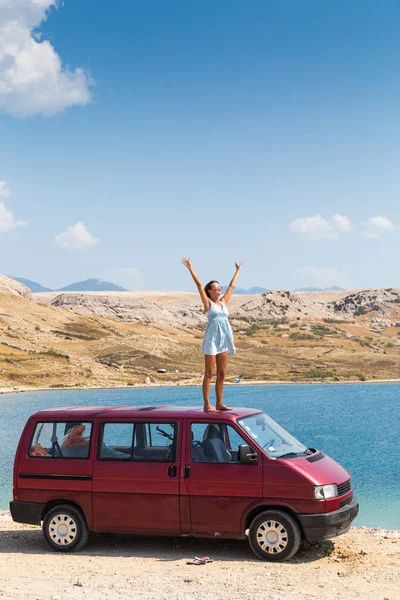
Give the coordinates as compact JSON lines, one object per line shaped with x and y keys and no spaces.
{"x":246,"y":455}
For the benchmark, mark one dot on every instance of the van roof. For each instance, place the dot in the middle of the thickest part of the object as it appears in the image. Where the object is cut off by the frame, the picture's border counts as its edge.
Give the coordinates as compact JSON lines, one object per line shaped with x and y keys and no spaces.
{"x":90,"y":412}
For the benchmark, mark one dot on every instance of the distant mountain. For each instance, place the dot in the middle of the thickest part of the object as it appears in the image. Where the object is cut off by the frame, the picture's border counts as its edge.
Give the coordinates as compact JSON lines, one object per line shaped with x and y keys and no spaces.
{"x":99,"y":285}
{"x":32,"y":285}
{"x":93,"y":285}
{"x":332,"y":288}
{"x":253,"y":290}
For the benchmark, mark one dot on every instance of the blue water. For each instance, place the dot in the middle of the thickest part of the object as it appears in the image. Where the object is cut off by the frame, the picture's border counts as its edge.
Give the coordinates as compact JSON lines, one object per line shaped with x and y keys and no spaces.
{"x":356,"y":424}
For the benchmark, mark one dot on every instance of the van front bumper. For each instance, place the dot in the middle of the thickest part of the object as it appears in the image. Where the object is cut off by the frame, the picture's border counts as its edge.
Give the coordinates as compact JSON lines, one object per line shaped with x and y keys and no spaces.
{"x":328,"y":525}
{"x":26,"y":512}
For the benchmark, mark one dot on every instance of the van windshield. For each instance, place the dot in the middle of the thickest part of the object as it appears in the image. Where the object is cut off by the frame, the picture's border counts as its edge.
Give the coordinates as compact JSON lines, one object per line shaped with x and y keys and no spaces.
{"x":271,"y":437}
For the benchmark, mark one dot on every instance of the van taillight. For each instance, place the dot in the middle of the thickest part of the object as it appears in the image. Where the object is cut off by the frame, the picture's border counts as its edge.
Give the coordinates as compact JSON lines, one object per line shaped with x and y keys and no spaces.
{"x":15,"y":495}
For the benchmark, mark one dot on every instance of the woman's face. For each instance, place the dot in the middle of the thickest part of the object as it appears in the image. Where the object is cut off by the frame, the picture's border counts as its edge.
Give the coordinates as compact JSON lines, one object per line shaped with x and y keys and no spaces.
{"x":215,"y":291}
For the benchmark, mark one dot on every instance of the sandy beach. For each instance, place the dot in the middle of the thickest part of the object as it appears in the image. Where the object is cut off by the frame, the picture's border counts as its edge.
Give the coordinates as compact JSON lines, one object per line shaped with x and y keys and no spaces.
{"x":197,"y":382}
{"x":362,"y":564}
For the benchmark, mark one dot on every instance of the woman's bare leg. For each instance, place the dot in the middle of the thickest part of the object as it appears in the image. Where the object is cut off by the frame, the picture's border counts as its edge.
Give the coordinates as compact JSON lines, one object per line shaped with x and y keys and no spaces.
{"x":209,"y":369}
{"x":221,"y":360}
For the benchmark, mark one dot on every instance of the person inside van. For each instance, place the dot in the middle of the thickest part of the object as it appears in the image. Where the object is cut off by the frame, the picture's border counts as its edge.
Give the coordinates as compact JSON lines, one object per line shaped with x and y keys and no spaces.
{"x":74,"y":444}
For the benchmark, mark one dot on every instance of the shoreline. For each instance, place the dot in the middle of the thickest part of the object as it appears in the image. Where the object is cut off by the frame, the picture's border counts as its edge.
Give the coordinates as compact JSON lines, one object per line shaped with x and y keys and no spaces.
{"x":19,"y":390}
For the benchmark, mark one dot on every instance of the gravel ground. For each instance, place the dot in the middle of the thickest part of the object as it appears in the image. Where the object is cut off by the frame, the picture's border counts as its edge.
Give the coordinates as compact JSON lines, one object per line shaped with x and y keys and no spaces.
{"x":365,"y":564}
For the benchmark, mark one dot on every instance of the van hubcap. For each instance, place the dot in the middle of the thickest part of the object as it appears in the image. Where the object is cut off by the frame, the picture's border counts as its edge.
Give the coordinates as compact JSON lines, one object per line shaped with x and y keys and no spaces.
{"x":63,"y":530}
{"x":272,"y":537}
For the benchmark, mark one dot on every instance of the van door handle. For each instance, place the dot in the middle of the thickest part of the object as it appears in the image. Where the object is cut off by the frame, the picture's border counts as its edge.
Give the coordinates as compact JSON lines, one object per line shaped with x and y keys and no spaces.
{"x":187,"y":471}
{"x":172,"y":471}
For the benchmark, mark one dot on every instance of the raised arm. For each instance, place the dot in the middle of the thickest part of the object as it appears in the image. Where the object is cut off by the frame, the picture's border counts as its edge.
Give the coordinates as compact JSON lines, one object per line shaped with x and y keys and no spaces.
{"x":232,"y":284}
{"x":204,"y":298}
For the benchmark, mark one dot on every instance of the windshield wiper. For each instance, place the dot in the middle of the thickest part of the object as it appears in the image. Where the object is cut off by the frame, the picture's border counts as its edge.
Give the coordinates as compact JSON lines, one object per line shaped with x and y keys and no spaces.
{"x":288,"y":454}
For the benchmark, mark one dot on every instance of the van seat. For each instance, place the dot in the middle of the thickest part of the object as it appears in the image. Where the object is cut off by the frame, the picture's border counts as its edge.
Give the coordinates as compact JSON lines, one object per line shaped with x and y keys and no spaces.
{"x":214,"y":447}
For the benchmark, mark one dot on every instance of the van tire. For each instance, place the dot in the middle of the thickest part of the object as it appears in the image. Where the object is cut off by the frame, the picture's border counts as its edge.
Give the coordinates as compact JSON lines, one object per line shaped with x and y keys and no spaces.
{"x":274,"y":535}
{"x":65,"y":529}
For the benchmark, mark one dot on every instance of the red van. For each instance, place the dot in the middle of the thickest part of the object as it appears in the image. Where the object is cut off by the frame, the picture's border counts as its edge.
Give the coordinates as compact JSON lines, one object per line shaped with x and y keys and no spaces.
{"x":164,"y":470}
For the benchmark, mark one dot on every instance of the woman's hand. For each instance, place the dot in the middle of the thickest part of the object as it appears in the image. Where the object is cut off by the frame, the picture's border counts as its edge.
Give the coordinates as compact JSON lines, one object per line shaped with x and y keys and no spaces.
{"x":187,"y":262}
{"x":238,"y":265}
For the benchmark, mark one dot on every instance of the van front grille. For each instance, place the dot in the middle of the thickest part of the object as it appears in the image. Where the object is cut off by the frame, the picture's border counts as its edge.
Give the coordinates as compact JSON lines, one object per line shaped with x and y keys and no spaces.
{"x":343,"y":488}
{"x":348,"y":500}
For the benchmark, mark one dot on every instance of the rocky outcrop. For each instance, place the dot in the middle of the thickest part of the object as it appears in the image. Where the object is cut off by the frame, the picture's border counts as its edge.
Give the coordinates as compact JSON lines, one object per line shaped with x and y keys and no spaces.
{"x":10,"y":286}
{"x":384,"y":302}
{"x":283,"y":304}
{"x":128,"y":308}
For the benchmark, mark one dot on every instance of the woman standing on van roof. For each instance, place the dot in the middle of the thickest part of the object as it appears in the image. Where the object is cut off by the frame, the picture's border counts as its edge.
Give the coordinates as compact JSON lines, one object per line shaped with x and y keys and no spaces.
{"x":218,"y":342}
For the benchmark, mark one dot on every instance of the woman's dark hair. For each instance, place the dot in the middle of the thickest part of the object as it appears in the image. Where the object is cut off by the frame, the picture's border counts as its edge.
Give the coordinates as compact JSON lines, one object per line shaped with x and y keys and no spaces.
{"x":208,"y":287}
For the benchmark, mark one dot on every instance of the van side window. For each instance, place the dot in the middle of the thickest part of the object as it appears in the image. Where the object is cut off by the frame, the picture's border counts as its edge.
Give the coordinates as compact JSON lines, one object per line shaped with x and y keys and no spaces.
{"x":208,"y":443}
{"x":154,"y":442}
{"x":117,"y":441}
{"x":215,"y":443}
{"x":61,"y":440}
{"x":233,"y":441}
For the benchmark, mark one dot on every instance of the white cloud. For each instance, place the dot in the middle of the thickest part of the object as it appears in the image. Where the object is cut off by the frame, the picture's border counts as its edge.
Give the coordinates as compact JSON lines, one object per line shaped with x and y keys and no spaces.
{"x":313,"y":228}
{"x":375,"y":226}
{"x":324,"y":277}
{"x":342,"y":223}
{"x":7,"y":220}
{"x":317,"y":228}
{"x":76,"y":237}
{"x":33,"y":79}
{"x":4,"y":190}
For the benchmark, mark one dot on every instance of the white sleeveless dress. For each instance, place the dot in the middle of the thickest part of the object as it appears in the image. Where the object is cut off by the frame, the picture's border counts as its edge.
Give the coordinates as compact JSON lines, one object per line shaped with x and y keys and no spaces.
{"x":218,"y":336}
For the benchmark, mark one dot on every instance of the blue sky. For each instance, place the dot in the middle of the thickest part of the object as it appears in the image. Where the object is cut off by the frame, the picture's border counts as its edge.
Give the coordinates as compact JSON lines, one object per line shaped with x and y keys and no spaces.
{"x":134,"y":134}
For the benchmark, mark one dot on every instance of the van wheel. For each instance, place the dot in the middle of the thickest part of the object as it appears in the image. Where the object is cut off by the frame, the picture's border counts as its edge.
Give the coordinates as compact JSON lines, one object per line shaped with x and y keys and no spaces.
{"x":274,"y":535}
{"x":65,"y":529}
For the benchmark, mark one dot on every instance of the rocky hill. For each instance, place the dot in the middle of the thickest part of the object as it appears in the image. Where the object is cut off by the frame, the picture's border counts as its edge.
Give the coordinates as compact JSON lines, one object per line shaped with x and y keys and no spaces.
{"x":107,"y":339}
{"x":128,"y":307}
{"x":280,"y":304}
{"x":14,"y":288}
{"x":379,"y":305}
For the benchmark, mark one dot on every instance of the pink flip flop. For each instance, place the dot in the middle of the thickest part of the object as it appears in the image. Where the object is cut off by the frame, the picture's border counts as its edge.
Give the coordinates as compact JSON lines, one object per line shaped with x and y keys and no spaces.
{"x":200,"y":561}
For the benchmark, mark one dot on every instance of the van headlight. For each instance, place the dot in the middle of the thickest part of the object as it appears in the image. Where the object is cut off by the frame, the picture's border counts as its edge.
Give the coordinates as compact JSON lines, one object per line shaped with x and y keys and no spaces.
{"x":323,"y":492}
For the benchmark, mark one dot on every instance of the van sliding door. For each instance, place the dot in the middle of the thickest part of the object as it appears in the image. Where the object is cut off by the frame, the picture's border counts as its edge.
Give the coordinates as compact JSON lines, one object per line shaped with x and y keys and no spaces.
{"x":136,"y":478}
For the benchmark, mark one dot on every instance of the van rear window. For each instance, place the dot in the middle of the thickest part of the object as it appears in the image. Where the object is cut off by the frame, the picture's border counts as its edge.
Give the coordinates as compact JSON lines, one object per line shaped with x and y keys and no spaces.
{"x":64,"y":439}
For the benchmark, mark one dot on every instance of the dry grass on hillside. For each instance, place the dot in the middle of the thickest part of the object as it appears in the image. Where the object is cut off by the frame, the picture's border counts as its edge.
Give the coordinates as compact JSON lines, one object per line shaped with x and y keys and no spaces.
{"x":44,"y":346}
